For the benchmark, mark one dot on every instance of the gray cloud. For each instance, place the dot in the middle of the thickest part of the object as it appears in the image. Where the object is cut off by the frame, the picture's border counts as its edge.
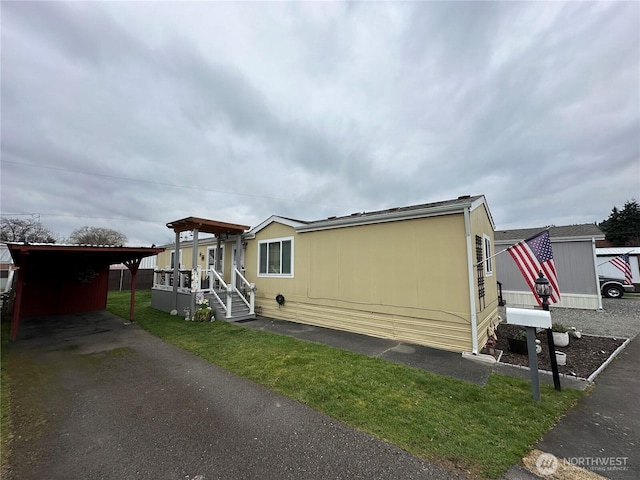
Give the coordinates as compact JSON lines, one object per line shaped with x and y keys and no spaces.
{"x":130,"y":115}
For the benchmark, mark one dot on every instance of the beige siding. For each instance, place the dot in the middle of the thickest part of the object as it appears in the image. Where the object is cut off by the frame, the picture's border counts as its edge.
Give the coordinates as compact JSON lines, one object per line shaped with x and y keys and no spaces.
{"x":405,"y":280}
{"x":164,"y":258}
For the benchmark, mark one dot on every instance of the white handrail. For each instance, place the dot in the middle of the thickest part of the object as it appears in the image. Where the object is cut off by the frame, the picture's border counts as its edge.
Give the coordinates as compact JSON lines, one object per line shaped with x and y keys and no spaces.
{"x":228,"y":288}
{"x":213,"y":270}
{"x":252,"y":288}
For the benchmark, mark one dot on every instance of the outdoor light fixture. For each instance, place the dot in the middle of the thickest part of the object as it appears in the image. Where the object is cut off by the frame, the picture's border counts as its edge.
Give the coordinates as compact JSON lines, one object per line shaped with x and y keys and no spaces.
{"x":543,"y":290}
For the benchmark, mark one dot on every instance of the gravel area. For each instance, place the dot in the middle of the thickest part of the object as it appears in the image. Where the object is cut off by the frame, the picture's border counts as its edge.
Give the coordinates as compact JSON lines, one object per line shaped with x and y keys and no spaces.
{"x":620,"y":317}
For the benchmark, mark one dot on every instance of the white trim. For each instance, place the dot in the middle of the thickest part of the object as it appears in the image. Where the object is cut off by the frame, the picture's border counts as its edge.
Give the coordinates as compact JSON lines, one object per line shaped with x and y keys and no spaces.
{"x":595,"y":268}
{"x":472,"y":284}
{"x":172,"y":254}
{"x":274,"y":240}
{"x":488,"y":259}
{"x":483,"y":201}
{"x":568,"y":300}
{"x":215,"y":247}
{"x":272,"y":219}
{"x":613,"y":251}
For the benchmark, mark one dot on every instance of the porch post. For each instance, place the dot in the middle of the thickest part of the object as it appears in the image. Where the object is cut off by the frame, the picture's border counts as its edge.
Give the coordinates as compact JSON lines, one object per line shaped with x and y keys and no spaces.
{"x":238,"y":257}
{"x":176,"y":271}
{"x":194,"y":266}
{"x":218,"y":250}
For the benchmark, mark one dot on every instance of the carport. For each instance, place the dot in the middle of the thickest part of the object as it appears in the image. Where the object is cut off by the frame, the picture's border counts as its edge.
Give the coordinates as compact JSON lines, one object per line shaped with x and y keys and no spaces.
{"x":62,"y":279}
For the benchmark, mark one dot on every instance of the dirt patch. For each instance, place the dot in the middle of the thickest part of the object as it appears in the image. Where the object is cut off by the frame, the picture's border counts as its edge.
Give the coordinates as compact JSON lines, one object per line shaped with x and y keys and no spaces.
{"x":584,"y":355}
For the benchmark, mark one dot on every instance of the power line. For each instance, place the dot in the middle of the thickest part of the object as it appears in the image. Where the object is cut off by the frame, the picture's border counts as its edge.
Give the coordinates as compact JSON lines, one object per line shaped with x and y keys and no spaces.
{"x":38,"y":214}
{"x":162,"y":184}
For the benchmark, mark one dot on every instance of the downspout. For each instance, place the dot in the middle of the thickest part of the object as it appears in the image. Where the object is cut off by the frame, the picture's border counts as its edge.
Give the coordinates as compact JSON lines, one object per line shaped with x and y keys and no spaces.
{"x":595,"y":267}
{"x":472,"y":289}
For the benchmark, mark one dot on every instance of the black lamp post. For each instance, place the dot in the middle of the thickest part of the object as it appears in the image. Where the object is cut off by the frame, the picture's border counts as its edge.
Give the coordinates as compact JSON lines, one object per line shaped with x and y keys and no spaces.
{"x":543,"y":290}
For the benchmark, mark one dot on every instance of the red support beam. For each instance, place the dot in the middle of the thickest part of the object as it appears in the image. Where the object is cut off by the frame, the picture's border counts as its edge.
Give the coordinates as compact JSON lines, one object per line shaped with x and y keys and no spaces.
{"x":17,"y":301}
{"x":133,"y":266}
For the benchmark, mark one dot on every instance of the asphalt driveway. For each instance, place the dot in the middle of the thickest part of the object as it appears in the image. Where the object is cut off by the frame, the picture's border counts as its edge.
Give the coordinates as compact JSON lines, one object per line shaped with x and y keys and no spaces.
{"x":94,"y":398}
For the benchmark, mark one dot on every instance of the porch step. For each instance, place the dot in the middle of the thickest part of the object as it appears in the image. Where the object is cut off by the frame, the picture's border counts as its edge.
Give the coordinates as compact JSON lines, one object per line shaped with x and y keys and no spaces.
{"x":239,"y":311}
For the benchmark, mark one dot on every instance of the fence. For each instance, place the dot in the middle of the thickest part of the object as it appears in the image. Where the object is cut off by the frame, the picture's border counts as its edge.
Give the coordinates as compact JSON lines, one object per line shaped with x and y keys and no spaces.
{"x":121,"y":279}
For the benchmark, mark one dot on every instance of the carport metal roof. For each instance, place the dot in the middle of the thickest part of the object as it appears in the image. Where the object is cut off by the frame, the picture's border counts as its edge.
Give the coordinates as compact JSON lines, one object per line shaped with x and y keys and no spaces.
{"x":49,"y":255}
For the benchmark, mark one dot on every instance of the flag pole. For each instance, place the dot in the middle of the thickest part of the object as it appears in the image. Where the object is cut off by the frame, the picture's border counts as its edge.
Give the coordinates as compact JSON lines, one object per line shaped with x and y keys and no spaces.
{"x":489,"y":258}
{"x":502,"y":251}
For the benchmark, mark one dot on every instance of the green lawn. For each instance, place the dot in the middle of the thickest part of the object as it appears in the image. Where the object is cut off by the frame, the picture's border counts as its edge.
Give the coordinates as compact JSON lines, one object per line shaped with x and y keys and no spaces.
{"x":483,"y":430}
{"x":5,"y":425}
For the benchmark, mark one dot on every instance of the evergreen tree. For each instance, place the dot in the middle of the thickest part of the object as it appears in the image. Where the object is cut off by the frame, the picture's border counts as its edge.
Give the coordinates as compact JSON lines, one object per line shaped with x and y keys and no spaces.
{"x":622,"y":228}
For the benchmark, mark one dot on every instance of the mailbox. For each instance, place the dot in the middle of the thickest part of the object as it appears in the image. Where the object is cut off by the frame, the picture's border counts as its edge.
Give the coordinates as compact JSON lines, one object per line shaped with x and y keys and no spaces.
{"x":526,"y":317}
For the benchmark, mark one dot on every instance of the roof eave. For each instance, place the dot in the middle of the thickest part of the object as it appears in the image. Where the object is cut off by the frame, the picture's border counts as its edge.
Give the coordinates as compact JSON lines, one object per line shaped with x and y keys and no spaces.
{"x":357,"y":220}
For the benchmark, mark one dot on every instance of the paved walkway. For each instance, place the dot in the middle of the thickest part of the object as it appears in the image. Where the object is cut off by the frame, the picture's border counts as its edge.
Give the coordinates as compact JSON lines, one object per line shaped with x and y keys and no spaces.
{"x":450,"y":364}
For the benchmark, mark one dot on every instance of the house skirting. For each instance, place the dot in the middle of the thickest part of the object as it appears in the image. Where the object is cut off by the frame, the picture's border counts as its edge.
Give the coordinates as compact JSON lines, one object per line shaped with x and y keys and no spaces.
{"x":452,"y":335}
{"x":567,"y":300}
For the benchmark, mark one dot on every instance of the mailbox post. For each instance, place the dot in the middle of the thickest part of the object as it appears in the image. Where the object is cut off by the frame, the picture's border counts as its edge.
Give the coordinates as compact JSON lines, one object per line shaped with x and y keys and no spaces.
{"x":543,"y":290}
{"x":530,"y":319}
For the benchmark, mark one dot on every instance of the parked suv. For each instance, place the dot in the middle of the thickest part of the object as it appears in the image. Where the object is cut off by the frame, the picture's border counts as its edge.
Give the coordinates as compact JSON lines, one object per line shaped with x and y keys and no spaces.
{"x":614,"y":287}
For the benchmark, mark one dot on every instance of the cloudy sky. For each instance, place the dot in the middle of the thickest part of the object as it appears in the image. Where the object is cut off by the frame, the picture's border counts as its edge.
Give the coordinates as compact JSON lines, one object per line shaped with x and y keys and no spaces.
{"x":131,"y":115}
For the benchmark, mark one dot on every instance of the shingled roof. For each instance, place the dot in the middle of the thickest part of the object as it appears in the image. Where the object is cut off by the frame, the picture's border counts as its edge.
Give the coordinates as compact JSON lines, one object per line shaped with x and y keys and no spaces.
{"x":576,"y":232}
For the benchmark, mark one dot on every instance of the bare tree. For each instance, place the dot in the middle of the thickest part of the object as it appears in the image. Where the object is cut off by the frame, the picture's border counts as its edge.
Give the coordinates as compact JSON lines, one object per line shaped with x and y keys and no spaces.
{"x":25,"y":230}
{"x":97,"y":236}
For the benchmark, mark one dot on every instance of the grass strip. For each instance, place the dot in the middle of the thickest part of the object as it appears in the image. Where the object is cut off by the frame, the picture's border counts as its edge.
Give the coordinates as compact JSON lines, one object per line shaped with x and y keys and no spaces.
{"x":5,"y":421}
{"x":483,"y":430}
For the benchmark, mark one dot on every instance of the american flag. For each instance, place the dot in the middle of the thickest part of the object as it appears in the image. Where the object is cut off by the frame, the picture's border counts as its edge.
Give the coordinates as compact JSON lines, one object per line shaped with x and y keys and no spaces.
{"x":534,"y":255}
{"x":622,"y":263}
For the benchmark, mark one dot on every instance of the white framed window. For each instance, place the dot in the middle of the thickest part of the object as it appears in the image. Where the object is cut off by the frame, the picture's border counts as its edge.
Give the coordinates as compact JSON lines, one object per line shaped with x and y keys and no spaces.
{"x":211,"y":258}
{"x":488,"y":261}
{"x":173,"y":259}
{"x":275,"y":257}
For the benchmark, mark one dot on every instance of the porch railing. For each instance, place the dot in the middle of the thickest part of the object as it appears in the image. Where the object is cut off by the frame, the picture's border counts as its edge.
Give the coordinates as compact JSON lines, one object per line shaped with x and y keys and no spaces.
{"x":190,"y":281}
{"x":163,"y":280}
{"x":245,"y":287}
{"x":226,"y":306}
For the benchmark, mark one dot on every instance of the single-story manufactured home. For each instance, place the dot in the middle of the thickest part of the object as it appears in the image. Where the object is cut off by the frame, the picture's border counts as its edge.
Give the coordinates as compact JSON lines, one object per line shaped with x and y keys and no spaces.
{"x":421,"y":274}
{"x":574,"y":254}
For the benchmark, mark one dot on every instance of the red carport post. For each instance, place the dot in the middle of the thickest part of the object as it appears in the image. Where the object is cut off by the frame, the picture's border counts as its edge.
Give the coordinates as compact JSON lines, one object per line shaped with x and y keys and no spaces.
{"x":133,"y":265}
{"x":15,"y":317}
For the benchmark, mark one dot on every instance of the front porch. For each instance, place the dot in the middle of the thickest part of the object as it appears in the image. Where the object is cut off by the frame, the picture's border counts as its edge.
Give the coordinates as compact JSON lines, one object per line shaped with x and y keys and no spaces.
{"x":230,"y":302}
{"x":182,"y":290}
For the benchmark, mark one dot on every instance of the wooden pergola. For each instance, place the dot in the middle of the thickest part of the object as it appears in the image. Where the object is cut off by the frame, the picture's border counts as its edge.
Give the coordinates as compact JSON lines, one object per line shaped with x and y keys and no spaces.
{"x":197,"y":225}
{"x":60,"y":279}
